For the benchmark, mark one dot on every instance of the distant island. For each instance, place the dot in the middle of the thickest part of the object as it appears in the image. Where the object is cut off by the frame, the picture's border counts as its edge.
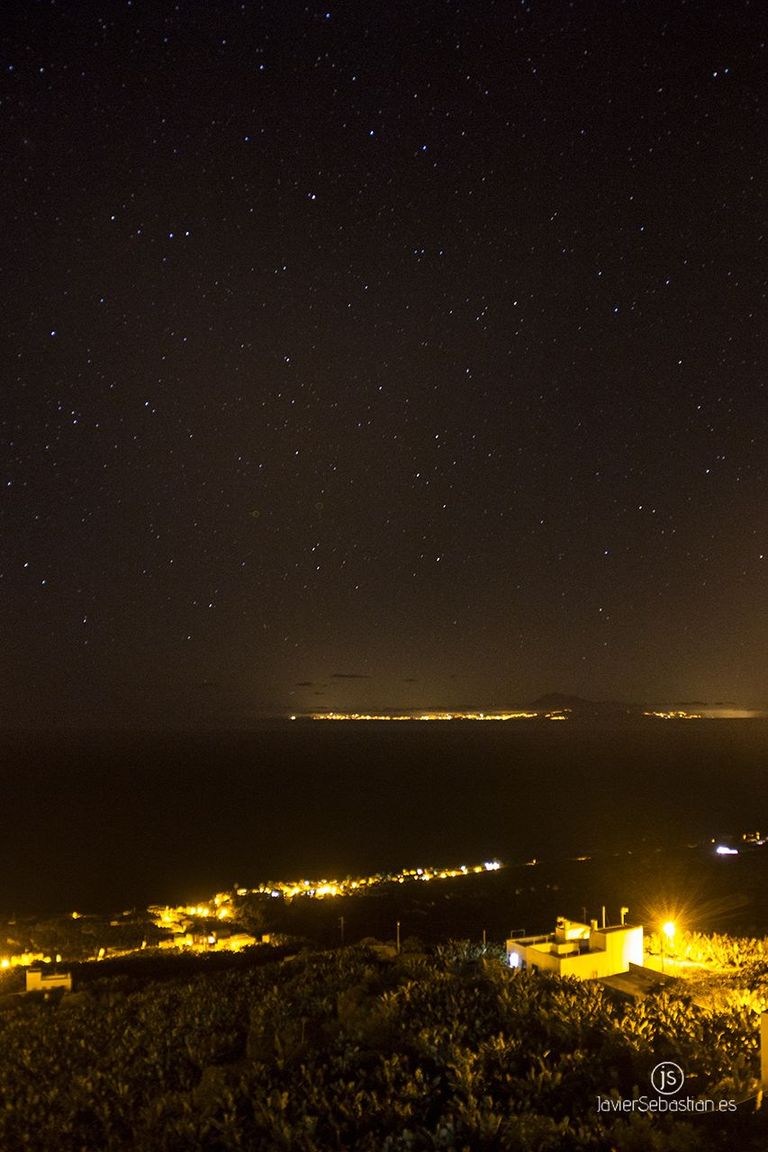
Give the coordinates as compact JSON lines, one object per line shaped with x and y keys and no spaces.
{"x":551,"y":706}
{"x":556,"y":706}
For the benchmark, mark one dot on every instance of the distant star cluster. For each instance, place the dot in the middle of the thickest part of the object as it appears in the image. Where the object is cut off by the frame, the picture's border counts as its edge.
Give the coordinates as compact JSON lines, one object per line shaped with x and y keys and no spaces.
{"x":381,"y":356}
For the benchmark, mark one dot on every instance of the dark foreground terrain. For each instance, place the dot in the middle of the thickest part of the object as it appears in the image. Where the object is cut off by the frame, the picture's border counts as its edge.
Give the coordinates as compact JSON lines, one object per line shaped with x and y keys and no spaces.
{"x":360,"y":1049}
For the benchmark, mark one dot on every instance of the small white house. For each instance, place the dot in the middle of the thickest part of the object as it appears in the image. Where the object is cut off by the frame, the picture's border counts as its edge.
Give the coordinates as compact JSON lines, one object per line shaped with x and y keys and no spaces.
{"x":238,"y":940}
{"x":40,"y":980}
{"x":581,"y":950}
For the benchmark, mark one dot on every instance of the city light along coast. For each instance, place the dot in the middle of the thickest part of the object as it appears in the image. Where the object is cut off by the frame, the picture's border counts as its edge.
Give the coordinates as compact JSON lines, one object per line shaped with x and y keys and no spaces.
{"x":218,"y":905}
{"x":418,"y":716}
{"x":549,"y":714}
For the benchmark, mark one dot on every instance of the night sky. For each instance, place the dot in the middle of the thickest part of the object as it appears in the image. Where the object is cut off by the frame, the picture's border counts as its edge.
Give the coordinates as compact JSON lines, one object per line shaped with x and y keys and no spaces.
{"x":381,"y":355}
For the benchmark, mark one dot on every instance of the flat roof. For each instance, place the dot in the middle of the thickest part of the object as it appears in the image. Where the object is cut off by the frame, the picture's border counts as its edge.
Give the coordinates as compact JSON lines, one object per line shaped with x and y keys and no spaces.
{"x":635,"y":983}
{"x":617,"y":927}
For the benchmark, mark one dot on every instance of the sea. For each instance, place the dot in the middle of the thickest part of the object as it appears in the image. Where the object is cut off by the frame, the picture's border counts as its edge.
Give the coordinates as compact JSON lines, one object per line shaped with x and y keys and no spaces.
{"x":579,"y":812}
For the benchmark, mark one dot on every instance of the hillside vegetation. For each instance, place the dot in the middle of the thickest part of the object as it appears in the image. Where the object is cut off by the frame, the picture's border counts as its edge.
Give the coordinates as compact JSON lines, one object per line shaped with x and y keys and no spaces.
{"x":350,"y":1050}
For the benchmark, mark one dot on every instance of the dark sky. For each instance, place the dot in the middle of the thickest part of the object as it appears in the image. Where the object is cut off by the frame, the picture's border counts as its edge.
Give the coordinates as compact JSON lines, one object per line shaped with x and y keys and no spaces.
{"x":381,"y":354}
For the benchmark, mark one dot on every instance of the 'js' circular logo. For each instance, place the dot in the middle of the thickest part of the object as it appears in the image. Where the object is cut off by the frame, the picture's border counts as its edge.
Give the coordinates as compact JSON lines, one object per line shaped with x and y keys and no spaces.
{"x":667,"y":1078}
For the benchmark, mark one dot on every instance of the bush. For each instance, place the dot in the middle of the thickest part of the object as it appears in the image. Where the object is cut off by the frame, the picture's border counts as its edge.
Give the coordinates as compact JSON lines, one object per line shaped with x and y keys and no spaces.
{"x":344,"y":1049}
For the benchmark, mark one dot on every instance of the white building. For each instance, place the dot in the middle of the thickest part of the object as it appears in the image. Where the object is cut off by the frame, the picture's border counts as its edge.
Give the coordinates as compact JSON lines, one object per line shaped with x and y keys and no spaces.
{"x":212,"y":942}
{"x":39,"y":980}
{"x":581,"y":950}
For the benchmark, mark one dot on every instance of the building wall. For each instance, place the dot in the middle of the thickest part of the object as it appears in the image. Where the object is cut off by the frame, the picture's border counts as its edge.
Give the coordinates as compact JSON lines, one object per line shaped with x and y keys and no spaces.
{"x":611,"y":952}
{"x":622,"y":946}
{"x":38,"y":981}
{"x":585,"y":966}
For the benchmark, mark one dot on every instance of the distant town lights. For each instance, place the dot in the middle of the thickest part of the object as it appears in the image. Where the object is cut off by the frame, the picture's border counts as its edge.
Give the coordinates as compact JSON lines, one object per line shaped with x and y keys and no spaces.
{"x":424,"y":716}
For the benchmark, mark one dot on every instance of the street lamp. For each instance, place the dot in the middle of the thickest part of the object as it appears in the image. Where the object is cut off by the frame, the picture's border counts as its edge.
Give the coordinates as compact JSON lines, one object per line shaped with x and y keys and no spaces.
{"x":668,"y":930}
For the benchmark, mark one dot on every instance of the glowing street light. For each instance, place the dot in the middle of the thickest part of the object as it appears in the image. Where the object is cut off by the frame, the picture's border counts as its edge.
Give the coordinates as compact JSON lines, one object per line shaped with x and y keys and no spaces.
{"x":668,"y":930}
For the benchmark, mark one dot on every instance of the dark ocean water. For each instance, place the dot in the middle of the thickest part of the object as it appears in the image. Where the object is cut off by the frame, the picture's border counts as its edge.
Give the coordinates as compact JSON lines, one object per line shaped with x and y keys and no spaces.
{"x":102,"y":821}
